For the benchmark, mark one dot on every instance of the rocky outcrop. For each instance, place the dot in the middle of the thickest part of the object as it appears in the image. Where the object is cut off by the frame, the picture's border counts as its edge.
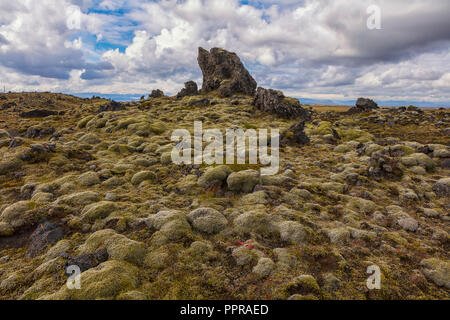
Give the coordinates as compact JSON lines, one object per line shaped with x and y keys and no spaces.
{"x":363,"y":105}
{"x":37,"y":113}
{"x":156,"y":94}
{"x":223,"y":71}
{"x":295,"y":135}
{"x":113,"y":106}
{"x":190,"y":89}
{"x":273,"y":101}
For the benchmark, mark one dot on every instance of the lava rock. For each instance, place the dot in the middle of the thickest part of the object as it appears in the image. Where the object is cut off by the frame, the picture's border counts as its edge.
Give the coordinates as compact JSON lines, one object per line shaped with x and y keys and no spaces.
{"x":156,"y":94}
{"x":224,"y":71}
{"x":89,"y":260}
{"x":190,"y":89}
{"x":113,"y":106}
{"x":363,"y":105}
{"x":37,"y":113}
{"x":45,"y":235}
{"x":273,"y":101}
{"x":296,"y":135}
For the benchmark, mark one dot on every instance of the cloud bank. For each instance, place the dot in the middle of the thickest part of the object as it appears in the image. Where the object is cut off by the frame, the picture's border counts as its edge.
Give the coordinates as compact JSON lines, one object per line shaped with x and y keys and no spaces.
{"x":317,"y":49}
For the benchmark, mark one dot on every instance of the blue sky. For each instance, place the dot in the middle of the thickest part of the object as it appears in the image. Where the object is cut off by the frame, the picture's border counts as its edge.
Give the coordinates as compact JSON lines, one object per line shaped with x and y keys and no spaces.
{"x":313,"y":49}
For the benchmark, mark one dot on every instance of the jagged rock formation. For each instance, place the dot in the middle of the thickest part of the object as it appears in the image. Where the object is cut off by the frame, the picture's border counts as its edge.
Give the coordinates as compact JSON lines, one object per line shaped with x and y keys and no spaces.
{"x":223,"y":71}
{"x":113,"y":106}
{"x":273,"y":101}
{"x":295,"y":135}
{"x":39,"y":114}
{"x":363,"y":105}
{"x":190,"y":89}
{"x":156,"y":94}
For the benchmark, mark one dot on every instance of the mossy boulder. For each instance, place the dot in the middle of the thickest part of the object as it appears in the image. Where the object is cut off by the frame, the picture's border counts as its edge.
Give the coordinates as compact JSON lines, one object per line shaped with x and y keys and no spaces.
{"x":4,"y":134}
{"x":9,"y":165}
{"x":214,"y":176}
{"x":15,"y":216}
{"x":243,"y":181}
{"x":90,"y":139}
{"x":292,"y":232}
{"x":244,"y":256}
{"x":419,"y":159}
{"x":106,"y":281}
{"x":442,"y":187}
{"x":304,"y":285}
{"x":89,"y":179}
{"x":255,"y":222}
{"x":99,"y":210}
{"x":166,"y":158}
{"x":437,"y":271}
{"x":6,"y":229}
{"x":207,"y":220}
{"x":119,"y":247}
{"x":172,"y":231}
{"x":139,"y":177}
{"x":264,"y":267}
{"x":79,"y":199}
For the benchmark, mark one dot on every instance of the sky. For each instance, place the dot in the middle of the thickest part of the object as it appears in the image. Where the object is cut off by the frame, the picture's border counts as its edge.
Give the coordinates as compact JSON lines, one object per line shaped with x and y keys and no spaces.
{"x":312,"y":49}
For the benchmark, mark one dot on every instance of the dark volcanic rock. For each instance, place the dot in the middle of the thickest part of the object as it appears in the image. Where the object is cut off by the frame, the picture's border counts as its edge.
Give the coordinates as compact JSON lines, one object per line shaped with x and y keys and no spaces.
{"x":156,"y":94}
{"x":89,"y":261}
{"x":295,"y":135}
{"x":45,"y":235}
{"x":224,"y":71}
{"x":382,"y":165}
{"x":442,"y":187}
{"x":38,"y":113}
{"x":190,"y":89}
{"x":273,"y":101}
{"x":363,"y":105}
{"x":37,"y":132}
{"x":205,"y":102}
{"x":113,"y":106}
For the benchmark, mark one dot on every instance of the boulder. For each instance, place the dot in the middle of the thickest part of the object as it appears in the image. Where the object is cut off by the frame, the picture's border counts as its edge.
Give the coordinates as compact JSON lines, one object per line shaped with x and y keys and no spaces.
{"x":214,"y":176}
{"x":363,"y":105}
{"x":264,"y":267}
{"x":45,"y":235}
{"x":243,"y":181}
{"x":437,"y":271}
{"x":207,"y":220}
{"x":224,"y":71}
{"x":39,"y":113}
{"x":442,"y":187}
{"x":190,"y":89}
{"x":89,"y":260}
{"x":295,"y":135}
{"x":112,"y":106}
{"x":156,"y":94}
{"x":274,"y":102}
{"x":104,"y":282}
